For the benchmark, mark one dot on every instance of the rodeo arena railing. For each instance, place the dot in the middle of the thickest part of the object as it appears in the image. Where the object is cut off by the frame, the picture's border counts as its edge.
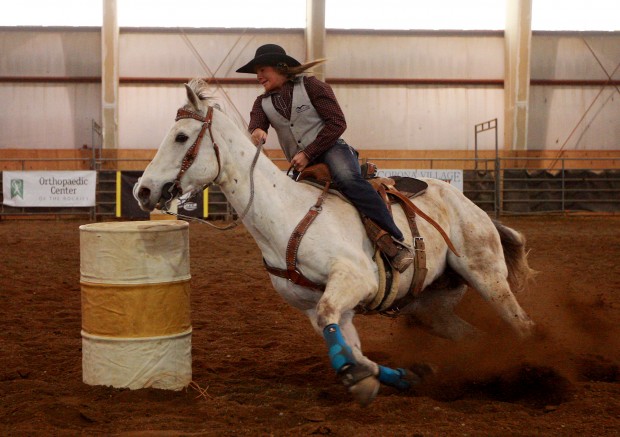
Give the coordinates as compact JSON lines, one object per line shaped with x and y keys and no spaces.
{"x":499,"y":186}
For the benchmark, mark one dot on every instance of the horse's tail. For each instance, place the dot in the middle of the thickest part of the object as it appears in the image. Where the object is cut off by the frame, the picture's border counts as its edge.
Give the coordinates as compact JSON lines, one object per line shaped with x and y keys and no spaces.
{"x":513,"y":244}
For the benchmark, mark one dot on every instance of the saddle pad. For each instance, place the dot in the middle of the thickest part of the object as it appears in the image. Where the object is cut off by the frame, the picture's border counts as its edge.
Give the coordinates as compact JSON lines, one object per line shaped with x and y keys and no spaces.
{"x":411,"y":187}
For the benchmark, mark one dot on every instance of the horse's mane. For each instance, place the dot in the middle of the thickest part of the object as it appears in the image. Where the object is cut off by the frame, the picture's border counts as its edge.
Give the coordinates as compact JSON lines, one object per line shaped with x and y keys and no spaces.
{"x":204,"y":93}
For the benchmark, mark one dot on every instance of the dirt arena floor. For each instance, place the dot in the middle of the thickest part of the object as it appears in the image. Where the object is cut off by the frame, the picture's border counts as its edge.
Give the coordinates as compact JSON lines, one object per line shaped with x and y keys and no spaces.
{"x":263,"y":371}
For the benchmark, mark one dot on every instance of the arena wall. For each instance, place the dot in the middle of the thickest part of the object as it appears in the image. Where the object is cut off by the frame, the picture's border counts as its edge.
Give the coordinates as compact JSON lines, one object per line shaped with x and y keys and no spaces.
{"x":419,"y":92}
{"x":137,"y":159}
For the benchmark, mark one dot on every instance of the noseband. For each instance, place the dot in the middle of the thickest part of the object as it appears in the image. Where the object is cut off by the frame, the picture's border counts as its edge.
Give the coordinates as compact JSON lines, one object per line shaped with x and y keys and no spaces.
{"x":192,"y":152}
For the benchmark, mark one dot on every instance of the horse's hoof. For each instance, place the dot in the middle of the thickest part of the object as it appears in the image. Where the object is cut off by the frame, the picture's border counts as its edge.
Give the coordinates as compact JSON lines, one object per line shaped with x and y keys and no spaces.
{"x":526,"y":330}
{"x":365,"y":391}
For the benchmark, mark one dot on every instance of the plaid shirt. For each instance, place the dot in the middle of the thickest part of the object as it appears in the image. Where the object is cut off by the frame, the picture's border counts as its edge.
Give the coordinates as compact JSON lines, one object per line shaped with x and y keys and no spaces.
{"x":324,"y":101}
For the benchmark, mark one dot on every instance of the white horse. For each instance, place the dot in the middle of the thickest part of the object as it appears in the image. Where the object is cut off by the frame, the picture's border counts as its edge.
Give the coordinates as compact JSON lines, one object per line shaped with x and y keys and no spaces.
{"x":336,"y":250}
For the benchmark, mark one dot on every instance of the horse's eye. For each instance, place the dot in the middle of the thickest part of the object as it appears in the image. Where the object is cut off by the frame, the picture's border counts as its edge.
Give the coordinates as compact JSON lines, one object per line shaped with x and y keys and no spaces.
{"x":181,"y":138}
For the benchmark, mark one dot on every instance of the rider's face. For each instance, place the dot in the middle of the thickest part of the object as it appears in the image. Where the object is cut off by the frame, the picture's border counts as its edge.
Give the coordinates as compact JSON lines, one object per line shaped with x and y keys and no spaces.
{"x":269,"y":78}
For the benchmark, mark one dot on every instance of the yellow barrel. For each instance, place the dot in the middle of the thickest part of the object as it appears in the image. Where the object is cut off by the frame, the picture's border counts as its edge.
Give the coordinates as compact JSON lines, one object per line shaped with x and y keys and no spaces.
{"x":136,"y":325}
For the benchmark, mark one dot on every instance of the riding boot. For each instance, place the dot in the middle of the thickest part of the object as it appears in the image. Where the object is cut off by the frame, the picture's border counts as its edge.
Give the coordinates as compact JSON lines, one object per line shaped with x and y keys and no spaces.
{"x":404,"y":257}
{"x":399,"y":254}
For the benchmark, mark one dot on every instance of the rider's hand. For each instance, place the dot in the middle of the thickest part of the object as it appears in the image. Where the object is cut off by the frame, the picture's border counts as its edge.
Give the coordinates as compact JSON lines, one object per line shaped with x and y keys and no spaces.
{"x":259,"y":136}
{"x":300,"y":161}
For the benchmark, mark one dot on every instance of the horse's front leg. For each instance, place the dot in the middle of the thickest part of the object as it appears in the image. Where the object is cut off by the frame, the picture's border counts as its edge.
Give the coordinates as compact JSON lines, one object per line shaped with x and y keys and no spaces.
{"x":332,"y":317}
{"x":346,"y":288}
{"x":401,"y":379}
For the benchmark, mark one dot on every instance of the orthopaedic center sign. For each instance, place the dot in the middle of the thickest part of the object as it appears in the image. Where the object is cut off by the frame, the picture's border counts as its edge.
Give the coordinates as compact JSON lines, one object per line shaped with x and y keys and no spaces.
{"x":49,"y":188}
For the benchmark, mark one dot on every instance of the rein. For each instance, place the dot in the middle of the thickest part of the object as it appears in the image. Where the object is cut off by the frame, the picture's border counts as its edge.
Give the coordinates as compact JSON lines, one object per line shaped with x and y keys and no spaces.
{"x":190,"y":157}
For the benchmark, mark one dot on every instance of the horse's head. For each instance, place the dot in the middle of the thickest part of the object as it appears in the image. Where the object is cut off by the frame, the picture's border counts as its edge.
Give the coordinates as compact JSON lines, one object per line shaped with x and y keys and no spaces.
{"x":188,"y":157}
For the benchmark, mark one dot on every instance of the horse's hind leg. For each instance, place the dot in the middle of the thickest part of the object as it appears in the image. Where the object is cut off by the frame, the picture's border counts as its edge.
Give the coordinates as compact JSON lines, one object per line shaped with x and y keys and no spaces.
{"x":489,"y":278}
{"x":433,"y":310}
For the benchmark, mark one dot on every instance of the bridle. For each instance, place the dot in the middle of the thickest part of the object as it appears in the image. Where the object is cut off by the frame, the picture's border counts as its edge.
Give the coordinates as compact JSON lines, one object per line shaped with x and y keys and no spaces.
{"x":190,"y":157}
{"x":192,"y":152}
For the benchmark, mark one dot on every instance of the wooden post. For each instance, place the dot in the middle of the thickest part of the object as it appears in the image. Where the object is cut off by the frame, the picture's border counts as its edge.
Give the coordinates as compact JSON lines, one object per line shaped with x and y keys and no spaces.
{"x":109,"y":76}
{"x":518,"y":42}
{"x":315,"y":34}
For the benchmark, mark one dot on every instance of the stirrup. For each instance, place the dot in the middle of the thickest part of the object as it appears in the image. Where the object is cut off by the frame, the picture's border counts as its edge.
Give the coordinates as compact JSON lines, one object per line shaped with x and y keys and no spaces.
{"x":403,"y":258}
{"x":401,"y":244}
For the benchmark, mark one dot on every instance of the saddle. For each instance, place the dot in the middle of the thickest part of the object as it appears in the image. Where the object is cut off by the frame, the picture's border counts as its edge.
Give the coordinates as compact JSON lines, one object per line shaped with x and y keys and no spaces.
{"x":392,"y":190}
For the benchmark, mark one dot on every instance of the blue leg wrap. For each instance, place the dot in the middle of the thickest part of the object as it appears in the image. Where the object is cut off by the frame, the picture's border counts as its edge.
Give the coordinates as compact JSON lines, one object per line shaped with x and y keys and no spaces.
{"x":340,"y":354}
{"x":393,"y":377}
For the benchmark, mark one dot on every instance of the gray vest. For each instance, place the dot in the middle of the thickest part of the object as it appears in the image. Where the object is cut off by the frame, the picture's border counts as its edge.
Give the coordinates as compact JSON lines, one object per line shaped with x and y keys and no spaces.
{"x":305,"y":124}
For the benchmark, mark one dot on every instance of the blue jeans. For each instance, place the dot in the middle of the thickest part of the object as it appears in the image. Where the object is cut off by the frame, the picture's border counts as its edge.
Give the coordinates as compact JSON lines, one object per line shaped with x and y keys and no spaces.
{"x":347,"y":176}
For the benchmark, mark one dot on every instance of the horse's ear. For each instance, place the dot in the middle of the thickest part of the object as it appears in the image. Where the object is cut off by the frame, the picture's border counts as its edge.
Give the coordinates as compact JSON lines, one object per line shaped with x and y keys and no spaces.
{"x":192,"y":97}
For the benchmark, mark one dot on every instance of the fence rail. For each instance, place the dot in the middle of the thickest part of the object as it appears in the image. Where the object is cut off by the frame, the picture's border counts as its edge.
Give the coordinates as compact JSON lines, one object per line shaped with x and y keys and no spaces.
{"x":500,"y":186}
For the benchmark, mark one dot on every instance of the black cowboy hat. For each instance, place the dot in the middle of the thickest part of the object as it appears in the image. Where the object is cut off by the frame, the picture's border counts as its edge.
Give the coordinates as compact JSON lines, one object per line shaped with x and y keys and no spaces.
{"x":270,"y":55}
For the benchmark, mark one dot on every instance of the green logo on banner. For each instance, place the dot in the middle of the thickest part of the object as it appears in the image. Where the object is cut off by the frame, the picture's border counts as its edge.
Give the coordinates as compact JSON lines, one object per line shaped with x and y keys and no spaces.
{"x":17,"y":188}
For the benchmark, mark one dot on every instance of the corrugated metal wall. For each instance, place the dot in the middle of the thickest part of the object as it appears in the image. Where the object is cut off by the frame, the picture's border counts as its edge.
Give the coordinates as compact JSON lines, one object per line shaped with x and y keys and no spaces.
{"x":49,"y":52}
{"x":42,"y":115}
{"x":410,"y":55}
{"x":406,"y":113}
{"x":48,"y":116}
{"x":593,"y":112}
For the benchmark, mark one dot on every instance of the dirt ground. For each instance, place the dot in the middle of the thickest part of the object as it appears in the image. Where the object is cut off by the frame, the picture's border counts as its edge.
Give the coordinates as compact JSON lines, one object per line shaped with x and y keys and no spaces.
{"x":263,"y":371}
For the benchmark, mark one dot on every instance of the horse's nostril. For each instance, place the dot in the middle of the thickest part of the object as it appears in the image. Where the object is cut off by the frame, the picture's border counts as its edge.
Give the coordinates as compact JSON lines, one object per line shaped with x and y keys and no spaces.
{"x":144,"y":194}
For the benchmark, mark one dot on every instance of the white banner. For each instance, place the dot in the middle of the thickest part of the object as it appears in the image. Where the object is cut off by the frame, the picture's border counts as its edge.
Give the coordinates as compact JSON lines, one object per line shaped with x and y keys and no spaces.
{"x":453,"y":177}
{"x":49,"y":188}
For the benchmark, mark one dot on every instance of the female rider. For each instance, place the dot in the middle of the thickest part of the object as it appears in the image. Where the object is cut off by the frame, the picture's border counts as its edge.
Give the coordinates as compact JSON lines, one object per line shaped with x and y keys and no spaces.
{"x":309,"y":122}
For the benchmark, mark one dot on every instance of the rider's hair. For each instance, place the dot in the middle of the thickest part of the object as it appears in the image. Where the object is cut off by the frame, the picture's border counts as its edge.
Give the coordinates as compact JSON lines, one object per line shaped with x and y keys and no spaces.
{"x":292,"y":72}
